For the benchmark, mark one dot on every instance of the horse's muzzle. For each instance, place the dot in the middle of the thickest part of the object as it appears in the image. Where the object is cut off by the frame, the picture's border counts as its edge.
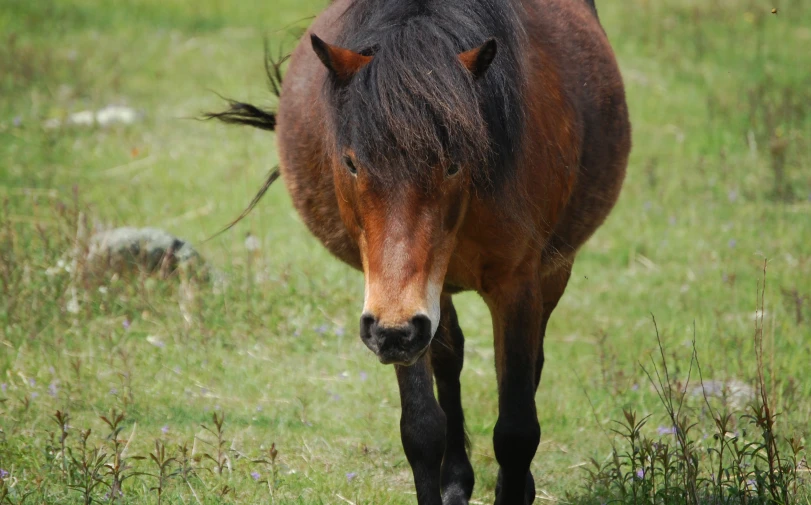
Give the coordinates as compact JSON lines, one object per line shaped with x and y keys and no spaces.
{"x":400,"y":345}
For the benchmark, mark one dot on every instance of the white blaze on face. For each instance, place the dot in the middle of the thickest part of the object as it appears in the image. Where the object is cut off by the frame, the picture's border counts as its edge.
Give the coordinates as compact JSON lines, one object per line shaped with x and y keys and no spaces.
{"x":397,"y":292}
{"x":404,"y":265}
{"x":432,"y":294}
{"x":434,"y":285}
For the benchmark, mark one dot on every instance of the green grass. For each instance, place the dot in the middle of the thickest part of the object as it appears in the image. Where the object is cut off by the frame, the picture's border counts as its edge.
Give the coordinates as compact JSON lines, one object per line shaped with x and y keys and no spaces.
{"x":720,"y":102}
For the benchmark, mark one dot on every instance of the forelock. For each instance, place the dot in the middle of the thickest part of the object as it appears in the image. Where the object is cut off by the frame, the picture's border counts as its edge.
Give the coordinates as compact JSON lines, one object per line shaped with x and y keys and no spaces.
{"x":415,"y":106}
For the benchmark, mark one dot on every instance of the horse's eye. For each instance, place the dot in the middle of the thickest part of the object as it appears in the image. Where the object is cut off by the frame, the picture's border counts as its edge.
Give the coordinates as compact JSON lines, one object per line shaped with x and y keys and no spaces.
{"x":453,"y":169}
{"x":350,"y":165}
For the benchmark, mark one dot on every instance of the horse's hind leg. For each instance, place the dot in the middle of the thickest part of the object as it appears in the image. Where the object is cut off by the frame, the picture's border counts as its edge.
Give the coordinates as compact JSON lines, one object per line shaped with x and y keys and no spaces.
{"x":447,"y":357}
{"x":517,"y":311}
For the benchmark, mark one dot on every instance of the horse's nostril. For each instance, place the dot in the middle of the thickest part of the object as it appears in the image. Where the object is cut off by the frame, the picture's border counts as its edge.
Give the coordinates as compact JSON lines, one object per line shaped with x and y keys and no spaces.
{"x":401,"y":343}
{"x":366,"y":323}
{"x":421,"y":324}
{"x":367,"y":320}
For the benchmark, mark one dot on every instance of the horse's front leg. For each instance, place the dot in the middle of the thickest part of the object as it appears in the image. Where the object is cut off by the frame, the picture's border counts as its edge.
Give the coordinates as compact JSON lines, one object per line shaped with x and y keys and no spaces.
{"x":447,"y":358}
{"x":422,"y":428}
{"x":517,"y":320}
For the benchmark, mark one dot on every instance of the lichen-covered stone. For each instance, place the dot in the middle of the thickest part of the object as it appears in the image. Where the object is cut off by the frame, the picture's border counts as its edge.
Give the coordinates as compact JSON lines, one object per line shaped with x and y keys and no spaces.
{"x":737,"y":393}
{"x":147,"y":250}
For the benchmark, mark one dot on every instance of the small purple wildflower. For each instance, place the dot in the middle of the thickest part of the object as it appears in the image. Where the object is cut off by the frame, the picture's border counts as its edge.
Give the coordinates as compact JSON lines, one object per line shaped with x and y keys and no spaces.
{"x":126,"y":324}
{"x":34,"y":395}
{"x":255,"y":475}
{"x":113,"y":391}
{"x":321,"y":329}
{"x":350,"y":476}
{"x":666,"y":430}
{"x":32,"y":382}
{"x":17,"y":121}
{"x":3,"y":387}
{"x":165,"y":429}
{"x":340,"y":331}
{"x":364,"y":376}
{"x":335,"y":397}
{"x":635,"y":387}
{"x":176,"y":370}
{"x":52,"y":389}
{"x":640,"y":474}
{"x":732,"y":243}
{"x":3,"y":473}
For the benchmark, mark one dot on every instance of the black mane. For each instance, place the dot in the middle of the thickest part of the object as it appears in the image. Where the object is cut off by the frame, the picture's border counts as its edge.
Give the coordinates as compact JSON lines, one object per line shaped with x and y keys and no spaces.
{"x":415,"y":105}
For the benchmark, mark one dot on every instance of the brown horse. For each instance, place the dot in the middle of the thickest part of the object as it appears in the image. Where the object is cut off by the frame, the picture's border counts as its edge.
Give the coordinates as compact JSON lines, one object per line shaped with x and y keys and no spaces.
{"x":450,"y":145}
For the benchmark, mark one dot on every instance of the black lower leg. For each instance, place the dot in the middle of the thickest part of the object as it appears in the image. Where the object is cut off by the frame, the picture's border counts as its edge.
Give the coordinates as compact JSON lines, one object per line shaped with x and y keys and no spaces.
{"x":515,"y":439}
{"x":422,"y":429}
{"x":517,"y":433}
{"x":447,"y":358}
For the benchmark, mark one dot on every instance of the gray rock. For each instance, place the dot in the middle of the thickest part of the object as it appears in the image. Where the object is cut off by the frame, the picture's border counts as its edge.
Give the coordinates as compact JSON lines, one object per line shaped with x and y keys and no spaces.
{"x":148,"y":250}
{"x":735,"y":393}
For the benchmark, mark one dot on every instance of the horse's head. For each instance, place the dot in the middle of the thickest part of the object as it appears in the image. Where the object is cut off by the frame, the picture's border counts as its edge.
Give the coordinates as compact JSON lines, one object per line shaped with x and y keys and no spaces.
{"x":403,"y":164}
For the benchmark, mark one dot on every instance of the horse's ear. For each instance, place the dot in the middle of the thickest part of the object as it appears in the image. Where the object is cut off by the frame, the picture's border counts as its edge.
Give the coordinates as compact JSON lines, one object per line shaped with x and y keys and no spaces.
{"x":478,"y":59}
{"x":342,"y":63}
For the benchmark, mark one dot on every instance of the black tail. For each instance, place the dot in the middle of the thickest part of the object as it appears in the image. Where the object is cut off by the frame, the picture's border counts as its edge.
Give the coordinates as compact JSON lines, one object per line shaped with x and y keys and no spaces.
{"x":271,"y":178}
{"x":245,"y":113}
{"x":251,"y":115}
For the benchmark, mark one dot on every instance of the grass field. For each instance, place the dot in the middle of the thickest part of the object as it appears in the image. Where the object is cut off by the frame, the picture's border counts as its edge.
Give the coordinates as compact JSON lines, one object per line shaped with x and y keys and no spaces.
{"x":719,"y":182}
